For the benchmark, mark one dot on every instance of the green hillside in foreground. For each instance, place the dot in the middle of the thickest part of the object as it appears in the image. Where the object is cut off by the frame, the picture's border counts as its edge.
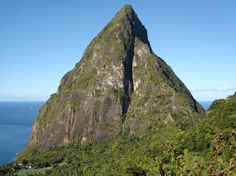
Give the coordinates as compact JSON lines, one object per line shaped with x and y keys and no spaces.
{"x":208,"y":148}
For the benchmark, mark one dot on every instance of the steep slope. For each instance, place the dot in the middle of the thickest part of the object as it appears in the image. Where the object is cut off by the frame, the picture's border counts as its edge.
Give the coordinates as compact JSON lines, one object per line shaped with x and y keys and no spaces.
{"x":119,"y":85}
{"x":220,"y":119}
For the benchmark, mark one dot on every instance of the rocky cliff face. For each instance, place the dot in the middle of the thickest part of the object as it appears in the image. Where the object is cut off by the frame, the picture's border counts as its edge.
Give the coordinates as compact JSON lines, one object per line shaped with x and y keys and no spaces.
{"x":118,"y":85}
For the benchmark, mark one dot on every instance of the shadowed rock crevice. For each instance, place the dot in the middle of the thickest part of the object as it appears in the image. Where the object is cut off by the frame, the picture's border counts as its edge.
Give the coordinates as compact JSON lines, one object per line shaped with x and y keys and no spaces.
{"x":127,"y":81}
{"x":136,"y":30}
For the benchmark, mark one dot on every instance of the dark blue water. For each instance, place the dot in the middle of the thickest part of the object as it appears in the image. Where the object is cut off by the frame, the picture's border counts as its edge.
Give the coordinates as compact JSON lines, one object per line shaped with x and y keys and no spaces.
{"x":16,"y":120}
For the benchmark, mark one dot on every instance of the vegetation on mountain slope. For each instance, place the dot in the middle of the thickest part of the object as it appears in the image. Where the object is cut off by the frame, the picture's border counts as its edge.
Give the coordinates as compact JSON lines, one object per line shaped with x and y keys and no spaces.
{"x":208,"y":148}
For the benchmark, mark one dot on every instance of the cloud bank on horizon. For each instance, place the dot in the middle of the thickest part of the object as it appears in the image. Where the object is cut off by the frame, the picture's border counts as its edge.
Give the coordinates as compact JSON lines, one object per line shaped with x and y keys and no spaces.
{"x":211,"y":94}
{"x":217,"y":89}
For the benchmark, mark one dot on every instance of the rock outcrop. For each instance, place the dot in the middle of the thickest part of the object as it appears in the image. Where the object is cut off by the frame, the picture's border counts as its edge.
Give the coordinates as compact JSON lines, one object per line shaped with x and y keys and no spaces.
{"x":118,"y":85}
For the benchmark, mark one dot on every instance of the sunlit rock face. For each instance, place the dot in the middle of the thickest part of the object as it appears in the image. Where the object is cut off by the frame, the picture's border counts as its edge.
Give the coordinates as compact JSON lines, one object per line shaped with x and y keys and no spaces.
{"x":118,"y":86}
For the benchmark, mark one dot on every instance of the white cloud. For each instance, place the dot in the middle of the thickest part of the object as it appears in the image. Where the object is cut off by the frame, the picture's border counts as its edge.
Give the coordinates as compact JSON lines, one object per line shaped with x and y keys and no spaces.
{"x":218,"y":89}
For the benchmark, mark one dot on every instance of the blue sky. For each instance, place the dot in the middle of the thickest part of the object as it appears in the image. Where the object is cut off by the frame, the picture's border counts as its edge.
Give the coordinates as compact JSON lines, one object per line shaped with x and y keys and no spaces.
{"x":40,"y":40}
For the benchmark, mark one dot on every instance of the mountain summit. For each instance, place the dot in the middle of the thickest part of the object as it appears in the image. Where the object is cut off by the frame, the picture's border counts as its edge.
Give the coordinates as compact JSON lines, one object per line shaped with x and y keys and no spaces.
{"x":118,"y":86}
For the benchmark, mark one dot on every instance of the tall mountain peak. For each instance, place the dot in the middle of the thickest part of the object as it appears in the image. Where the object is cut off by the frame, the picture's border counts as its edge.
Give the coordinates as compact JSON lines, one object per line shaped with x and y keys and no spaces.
{"x":118,"y":86}
{"x":127,"y":22}
{"x":127,"y":10}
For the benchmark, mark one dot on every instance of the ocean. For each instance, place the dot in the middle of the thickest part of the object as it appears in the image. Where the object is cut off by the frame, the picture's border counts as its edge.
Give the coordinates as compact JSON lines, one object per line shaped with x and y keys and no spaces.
{"x":205,"y":104}
{"x":16,"y":120}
